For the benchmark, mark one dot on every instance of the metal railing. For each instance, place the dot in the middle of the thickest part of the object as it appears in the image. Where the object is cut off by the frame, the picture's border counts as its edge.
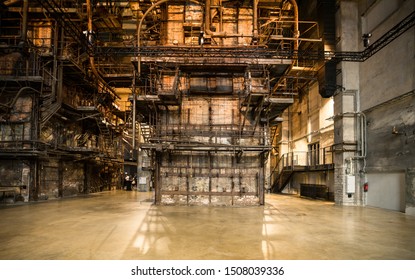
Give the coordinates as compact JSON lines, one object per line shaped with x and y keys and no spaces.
{"x":16,"y":146}
{"x":310,"y":160}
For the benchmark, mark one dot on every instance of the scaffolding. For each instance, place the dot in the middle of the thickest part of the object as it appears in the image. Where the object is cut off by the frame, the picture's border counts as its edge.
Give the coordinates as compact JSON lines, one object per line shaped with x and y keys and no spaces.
{"x":59,"y":129}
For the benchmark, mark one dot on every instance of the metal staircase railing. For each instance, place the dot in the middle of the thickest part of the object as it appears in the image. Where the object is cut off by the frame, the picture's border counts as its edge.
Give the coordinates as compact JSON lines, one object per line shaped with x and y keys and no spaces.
{"x":106,"y":137}
{"x":289,"y":163}
{"x":50,"y":104}
{"x":146,"y":132}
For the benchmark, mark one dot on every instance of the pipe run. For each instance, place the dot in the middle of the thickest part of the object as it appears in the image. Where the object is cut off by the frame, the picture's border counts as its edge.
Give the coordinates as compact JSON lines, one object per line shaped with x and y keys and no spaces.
{"x":24,"y":22}
{"x":296,"y":24}
{"x":255,"y":19}
{"x":223,"y":34}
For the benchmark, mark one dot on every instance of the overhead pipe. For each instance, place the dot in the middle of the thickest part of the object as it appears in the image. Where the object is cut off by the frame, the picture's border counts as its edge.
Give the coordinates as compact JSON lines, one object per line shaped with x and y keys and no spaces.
{"x":296,"y":24}
{"x":221,"y":15}
{"x":24,"y":23}
{"x":134,"y":111}
{"x":13,"y":102}
{"x":208,"y":31}
{"x":221,"y":34}
{"x":255,"y":19}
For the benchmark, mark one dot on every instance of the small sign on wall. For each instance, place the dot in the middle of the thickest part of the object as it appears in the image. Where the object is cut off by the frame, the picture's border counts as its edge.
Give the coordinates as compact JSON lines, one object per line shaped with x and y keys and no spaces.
{"x":142,"y":180}
{"x":350,"y":184}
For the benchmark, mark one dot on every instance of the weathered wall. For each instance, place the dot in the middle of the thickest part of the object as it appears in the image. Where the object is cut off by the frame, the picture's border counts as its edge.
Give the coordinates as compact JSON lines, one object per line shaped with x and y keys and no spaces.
{"x":391,"y":71}
{"x":391,"y":149}
{"x":73,"y":178}
{"x":184,"y":24}
{"x":16,"y":125}
{"x":49,"y":179}
{"x":175,"y":25}
{"x":15,"y":173}
{"x":216,"y":177}
{"x":61,"y":179}
{"x":345,"y":106}
{"x":309,"y":121}
{"x":387,"y":83}
{"x":210,"y":174}
{"x":391,"y":135}
{"x":323,"y":178}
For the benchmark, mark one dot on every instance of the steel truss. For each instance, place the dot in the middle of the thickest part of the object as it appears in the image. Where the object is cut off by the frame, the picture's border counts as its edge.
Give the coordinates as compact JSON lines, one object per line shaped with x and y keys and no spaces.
{"x":59,"y":14}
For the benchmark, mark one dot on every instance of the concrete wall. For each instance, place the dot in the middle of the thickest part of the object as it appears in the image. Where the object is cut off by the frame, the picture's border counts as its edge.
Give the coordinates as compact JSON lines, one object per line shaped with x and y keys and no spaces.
{"x":308,"y":121}
{"x":387,"y":83}
{"x":391,"y":149}
{"x":391,"y":71}
{"x":346,"y":104}
{"x":387,"y":190}
{"x":324,"y":178}
{"x":374,"y":119}
{"x":390,"y":136}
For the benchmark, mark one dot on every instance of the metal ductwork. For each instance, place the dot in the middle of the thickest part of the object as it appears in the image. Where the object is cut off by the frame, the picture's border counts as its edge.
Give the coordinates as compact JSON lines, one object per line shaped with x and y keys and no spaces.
{"x":327,"y":23}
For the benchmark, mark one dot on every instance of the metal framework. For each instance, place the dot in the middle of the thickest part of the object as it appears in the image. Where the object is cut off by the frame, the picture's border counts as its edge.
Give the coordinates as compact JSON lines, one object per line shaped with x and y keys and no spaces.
{"x":258,"y":69}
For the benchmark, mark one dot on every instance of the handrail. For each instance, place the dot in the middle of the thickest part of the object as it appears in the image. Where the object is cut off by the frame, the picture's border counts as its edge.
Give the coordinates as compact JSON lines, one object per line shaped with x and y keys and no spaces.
{"x":288,"y":161}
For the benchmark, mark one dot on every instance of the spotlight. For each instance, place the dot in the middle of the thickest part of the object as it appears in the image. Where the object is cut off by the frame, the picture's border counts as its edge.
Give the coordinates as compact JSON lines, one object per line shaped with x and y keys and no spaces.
{"x":365,"y":38}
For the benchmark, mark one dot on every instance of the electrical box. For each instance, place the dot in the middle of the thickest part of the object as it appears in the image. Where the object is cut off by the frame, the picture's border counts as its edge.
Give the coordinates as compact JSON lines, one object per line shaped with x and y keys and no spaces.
{"x":350,"y":184}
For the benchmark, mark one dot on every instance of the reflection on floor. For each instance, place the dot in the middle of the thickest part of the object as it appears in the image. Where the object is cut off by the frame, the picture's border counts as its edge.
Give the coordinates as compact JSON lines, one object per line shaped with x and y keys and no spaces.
{"x":126,"y":225}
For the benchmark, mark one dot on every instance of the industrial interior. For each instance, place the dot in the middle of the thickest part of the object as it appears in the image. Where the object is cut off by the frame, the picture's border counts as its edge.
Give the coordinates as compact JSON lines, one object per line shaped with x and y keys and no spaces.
{"x":209,"y":103}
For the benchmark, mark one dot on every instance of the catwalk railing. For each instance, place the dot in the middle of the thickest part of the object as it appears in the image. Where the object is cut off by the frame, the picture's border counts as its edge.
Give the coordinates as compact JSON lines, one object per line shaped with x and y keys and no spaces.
{"x":231,"y":134}
{"x":288,"y":163}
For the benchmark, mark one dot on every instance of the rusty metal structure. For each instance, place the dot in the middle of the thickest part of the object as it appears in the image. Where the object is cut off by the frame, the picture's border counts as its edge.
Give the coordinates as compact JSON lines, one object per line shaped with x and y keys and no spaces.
{"x":60,"y":124}
{"x":189,"y":90}
{"x":212,"y":77}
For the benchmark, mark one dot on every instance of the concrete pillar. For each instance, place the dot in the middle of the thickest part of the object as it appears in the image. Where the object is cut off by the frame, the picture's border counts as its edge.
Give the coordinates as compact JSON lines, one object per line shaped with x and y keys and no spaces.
{"x":348,"y":175}
{"x":410,"y":192}
{"x":156,"y":178}
{"x":261,"y":180}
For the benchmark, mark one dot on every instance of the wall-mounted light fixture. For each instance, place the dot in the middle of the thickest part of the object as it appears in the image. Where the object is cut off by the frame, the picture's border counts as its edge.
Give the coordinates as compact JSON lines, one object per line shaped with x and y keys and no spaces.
{"x":365,"y":38}
{"x":395,"y":131}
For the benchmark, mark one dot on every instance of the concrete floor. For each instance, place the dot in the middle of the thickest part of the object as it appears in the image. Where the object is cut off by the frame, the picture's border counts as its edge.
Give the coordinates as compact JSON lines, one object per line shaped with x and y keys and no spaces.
{"x":125,"y":225}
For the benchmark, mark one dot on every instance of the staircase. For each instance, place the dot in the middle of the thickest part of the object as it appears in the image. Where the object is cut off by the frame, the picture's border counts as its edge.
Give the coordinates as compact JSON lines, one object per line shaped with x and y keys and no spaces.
{"x":282,"y":172}
{"x":106,"y":135}
{"x":146,"y":132}
{"x":282,"y":180}
{"x":287,"y":165}
{"x":298,"y":161}
{"x":50,"y":104}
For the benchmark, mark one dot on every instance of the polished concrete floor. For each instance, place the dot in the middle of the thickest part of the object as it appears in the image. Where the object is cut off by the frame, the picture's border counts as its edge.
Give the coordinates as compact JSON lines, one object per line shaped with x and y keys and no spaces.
{"x":126,"y":225}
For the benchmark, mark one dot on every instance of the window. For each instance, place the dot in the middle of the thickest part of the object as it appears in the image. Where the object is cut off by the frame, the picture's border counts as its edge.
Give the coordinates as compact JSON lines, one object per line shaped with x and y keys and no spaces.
{"x":314,"y":154}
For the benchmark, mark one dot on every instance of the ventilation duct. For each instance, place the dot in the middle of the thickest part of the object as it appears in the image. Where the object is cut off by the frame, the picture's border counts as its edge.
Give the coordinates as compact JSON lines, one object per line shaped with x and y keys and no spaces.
{"x":327,"y":79}
{"x":327,"y":22}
